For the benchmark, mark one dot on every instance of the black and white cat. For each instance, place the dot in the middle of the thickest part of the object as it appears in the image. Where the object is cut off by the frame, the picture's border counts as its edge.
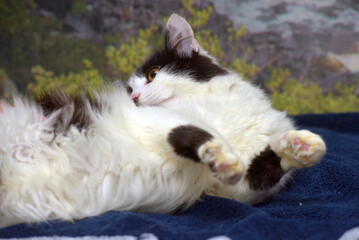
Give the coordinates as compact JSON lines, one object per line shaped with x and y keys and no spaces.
{"x":199,"y":129}
{"x":185,"y":78}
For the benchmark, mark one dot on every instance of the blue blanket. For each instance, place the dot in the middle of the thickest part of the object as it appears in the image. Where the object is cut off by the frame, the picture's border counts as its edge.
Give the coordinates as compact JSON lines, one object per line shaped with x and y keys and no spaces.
{"x":320,"y":203}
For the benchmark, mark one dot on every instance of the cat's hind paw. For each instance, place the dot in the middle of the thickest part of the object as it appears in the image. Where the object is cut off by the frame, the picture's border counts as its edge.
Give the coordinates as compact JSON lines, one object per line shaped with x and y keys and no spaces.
{"x":224,"y":164}
{"x":301,"y":149}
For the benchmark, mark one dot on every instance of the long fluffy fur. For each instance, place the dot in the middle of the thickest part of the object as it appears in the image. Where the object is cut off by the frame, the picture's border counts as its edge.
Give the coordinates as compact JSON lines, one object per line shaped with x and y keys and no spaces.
{"x":120,"y":162}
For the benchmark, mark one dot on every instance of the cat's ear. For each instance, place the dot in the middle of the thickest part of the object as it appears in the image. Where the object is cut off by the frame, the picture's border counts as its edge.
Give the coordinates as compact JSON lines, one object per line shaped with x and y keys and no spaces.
{"x":180,"y":37}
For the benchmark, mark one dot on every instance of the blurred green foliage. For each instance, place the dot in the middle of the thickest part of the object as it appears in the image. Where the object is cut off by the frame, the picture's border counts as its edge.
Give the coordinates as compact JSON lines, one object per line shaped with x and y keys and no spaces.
{"x":20,"y":37}
{"x":79,"y":6}
{"x":287,"y":93}
{"x":81,"y":83}
{"x":247,"y":70}
{"x":129,"y":56}
{"x":35,"y":40}
{"x":32,"y":39}
{"x":199,"y":18}
{"x":210,"y":42}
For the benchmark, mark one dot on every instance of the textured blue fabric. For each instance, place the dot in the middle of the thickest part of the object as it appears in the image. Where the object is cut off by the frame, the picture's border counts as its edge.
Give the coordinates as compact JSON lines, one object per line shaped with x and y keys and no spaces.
{"x":320,"y":203}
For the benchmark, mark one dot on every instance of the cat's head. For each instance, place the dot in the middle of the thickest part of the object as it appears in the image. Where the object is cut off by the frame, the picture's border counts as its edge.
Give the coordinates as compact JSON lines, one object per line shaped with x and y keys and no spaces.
{"x":175,"y":72}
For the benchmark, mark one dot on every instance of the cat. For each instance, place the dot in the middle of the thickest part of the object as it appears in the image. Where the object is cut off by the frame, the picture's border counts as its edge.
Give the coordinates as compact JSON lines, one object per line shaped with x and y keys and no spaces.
{"x":185,"y":78}
{"x":200,"y":130}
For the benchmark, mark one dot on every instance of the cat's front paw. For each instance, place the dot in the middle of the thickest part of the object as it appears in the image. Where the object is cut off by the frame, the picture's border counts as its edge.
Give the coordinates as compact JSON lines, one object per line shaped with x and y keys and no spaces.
{"x":301,"y":149}
{"x":224,"y":164}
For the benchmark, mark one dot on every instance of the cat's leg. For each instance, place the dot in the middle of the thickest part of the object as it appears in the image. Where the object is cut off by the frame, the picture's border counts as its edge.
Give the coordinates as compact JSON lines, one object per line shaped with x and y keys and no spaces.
{"x":269,"y":170}
{"x":294,"y":149}
{"x":263,"y":178}
{"x":264,"y":171}
{"x":199,"y":145}
{"x":299,"y":149}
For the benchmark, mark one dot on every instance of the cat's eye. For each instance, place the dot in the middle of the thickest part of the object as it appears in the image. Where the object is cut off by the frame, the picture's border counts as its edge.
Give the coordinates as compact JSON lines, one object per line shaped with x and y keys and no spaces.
{"x":152,"y":74}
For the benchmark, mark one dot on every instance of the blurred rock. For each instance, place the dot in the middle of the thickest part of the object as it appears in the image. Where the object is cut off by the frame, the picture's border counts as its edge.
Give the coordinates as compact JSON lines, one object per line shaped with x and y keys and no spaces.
{"x":350,"y":60}
{"x":59,"y":7}
{"x":299,"y":33}
{"x":315,"y":39}
{"x":117,"y":17}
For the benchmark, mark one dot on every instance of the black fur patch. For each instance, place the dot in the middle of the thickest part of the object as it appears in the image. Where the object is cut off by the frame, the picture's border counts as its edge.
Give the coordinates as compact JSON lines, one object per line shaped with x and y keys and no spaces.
{"x":73,"y":110}
{"x":265,"y":170}
{"x":199,"y":67}
{"x":186,"y":140}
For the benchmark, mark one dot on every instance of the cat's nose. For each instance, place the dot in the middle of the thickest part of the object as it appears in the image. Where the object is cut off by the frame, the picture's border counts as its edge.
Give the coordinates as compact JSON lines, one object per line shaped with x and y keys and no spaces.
{"x":135,"y":96}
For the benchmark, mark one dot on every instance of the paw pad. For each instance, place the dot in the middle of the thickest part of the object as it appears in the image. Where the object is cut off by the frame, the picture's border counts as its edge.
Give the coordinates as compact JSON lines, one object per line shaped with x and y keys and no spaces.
{"x":224,"y":164}
{"x":301,"y":149}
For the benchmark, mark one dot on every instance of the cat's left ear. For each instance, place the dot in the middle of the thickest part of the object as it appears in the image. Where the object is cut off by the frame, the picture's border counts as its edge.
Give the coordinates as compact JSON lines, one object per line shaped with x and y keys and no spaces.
{"x":180,"y":37}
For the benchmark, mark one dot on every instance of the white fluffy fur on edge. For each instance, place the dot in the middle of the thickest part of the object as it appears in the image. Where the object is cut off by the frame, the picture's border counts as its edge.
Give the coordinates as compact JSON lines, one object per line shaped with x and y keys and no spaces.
{"x":122,"y":161}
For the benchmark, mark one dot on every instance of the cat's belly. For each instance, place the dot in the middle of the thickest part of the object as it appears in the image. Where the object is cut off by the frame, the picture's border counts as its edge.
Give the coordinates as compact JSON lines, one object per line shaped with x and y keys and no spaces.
{"x":246,"y":126}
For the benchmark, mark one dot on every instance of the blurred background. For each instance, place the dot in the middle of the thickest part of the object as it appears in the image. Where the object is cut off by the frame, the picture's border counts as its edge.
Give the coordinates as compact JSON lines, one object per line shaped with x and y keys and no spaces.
{"x":305,"y":54}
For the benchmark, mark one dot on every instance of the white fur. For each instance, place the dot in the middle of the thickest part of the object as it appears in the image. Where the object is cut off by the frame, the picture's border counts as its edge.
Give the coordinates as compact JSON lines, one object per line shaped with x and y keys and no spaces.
{"x":122,"y":162}
{"x":239,"y":111}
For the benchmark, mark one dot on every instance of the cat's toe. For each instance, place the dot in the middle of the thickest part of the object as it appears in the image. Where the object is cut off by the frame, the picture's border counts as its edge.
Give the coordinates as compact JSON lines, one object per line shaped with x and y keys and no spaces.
{"x":224,"y":164}
{"x":302,"y":149}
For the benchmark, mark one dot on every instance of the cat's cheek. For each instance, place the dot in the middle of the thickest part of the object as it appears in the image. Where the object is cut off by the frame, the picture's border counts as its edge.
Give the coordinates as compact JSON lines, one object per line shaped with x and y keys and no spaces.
{"x":144,"y":101}
{"x":152,"y":101}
